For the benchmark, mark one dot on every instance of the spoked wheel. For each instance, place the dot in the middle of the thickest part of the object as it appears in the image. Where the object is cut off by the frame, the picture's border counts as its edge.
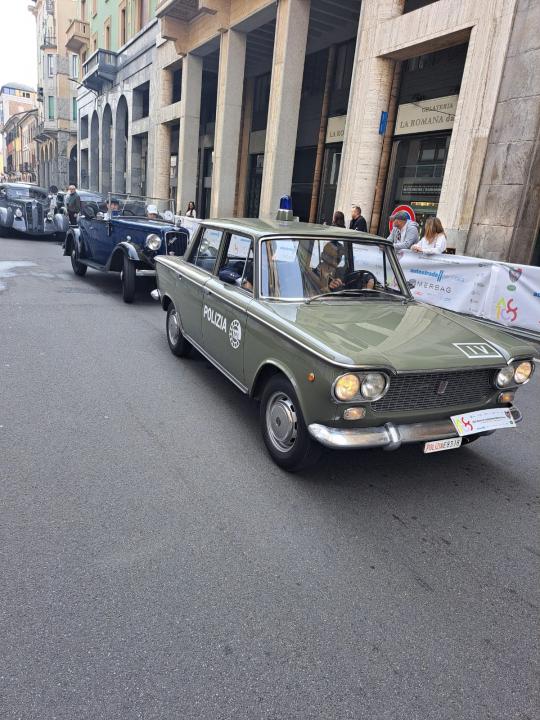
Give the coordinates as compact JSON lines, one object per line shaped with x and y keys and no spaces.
{"x":177,"y":342}
{"x":79,"y":268}
{"x":128,"y":280}
{"x":284,"y":431}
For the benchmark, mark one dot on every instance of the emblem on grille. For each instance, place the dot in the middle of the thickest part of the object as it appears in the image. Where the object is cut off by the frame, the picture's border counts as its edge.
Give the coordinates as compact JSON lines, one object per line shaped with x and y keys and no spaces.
{"x":441,"y":387}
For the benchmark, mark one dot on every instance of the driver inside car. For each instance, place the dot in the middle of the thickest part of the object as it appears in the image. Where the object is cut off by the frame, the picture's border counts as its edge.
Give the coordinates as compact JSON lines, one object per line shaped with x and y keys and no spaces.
{"x":331,"y":277}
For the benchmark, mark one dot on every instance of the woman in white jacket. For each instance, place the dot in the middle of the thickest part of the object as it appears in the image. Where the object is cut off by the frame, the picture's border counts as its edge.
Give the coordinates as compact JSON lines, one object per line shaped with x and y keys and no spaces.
{"x":434,"y":240}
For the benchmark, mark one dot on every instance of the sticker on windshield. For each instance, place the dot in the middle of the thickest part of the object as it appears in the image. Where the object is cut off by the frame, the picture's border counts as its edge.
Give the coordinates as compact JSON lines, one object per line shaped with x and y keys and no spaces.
{"x":235,"y":334}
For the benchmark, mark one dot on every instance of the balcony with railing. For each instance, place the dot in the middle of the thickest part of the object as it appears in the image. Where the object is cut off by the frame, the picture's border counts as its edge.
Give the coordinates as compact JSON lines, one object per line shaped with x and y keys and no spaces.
{"x":78,"y":34}
{"x":100,"y":68}
{"x":48,"y":41}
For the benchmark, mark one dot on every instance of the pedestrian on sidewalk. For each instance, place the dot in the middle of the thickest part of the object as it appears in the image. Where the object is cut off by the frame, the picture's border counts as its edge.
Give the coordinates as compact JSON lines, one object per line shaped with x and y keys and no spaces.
{"x":339,"y":219}
{"x":434,"y":240}
{"x":358,"y":222}
{"x":404,"y":231}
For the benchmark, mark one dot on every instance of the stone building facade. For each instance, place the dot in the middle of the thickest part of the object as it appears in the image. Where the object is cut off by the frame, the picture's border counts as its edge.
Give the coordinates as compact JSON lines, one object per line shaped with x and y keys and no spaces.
{"x":432,"y":104}
{"x":19,"y":134}
{"x":58,"y":78}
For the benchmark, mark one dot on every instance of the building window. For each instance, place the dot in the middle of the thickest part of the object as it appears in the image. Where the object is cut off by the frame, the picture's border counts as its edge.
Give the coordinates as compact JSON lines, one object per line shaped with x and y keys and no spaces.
{"x":123,"y":25}
{"x":83,"y":10}
{"x":74,"y":109}
{"x":50,"y":107}
{"x":176,"y":94}
{"x":142,"y":14}
{"x":50,"y":65}
{"x":74,"y":66}
{"x":107,"y":34}
{"x":84,"y":127}
{"x":94,"y":8}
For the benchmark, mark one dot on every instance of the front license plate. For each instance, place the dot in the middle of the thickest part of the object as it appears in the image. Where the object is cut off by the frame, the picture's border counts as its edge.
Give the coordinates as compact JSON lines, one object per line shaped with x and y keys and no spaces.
{"x":438,"y":445}
{"x":482,"y":421}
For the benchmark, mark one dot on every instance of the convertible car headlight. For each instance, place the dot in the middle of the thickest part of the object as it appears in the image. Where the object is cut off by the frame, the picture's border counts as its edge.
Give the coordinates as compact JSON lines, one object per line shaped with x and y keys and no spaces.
{"x":373,"y":386}
{"x":50,"y":217}
{"x":523,"y":372}
{"x":18,"y":212}
{"x":505,"y":377}
{"x":153,"y":242}
{"x":347,"y":387}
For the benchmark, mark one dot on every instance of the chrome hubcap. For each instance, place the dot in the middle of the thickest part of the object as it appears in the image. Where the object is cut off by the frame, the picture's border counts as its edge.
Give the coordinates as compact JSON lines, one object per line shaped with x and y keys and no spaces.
{"x":173,"y":328}
{"x":281,"y":421}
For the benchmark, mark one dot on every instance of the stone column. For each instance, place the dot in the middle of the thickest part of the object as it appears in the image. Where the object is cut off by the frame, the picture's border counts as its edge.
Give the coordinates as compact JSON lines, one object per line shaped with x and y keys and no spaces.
{"x":287,"y":74}
{"x":232,"y":56}
{"x":371,"y":86}
{"x":190,"y":115}
{"x":162,"y":161}
{"x":62,"y":177}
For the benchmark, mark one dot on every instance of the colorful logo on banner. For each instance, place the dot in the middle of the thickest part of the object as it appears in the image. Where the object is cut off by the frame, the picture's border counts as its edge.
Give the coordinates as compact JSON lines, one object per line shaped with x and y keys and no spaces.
{"x":402,"y":208}
{"x":506,"y":310}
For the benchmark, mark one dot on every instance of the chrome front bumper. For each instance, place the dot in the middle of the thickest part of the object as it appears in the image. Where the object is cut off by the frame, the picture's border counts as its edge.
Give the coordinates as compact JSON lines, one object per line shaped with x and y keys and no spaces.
{"x":388,"y":436}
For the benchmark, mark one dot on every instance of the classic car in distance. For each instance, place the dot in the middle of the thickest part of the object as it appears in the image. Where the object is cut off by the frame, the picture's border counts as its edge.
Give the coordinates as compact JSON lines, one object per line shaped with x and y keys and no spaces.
{"x":124,"y":239}
{"x":319,"y":325}
{"x":26,"y":208}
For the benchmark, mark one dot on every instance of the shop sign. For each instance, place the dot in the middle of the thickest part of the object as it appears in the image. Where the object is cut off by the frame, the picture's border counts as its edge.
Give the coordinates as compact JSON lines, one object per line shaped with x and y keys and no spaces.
{"x":421,"y":189}
{"x":426,"y":115}
{"x":335,"y":130}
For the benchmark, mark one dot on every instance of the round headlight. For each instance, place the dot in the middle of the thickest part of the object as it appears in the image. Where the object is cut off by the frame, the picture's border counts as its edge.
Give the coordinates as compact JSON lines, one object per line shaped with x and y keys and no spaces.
{"x":373,"y":386}
{"x":505,"y":377}
{"x":347,"y":387}
{"x":153,"y":242}
{"x":18,"y":212}
{"x":523,"y":372}
{"x":49,"y":217}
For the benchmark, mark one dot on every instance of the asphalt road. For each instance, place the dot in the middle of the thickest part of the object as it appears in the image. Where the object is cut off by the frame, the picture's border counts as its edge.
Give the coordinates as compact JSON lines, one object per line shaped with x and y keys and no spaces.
{"x":156,"y":564}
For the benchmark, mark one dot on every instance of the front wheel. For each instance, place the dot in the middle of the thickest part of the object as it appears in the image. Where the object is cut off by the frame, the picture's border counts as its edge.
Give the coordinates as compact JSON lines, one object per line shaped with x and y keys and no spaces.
{"x":177,"y":342}
{"x":283,"y":427}
{"x":78,"y":267}
{"x":128,"y":280}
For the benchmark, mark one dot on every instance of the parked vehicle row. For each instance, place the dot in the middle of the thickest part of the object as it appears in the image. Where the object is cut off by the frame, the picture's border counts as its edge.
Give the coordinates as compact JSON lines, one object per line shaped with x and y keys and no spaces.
{"x":315,"y":322}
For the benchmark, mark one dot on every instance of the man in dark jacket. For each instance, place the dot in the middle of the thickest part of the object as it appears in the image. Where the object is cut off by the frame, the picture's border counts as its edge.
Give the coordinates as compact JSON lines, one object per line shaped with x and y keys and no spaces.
{"x":358,"y":222}
{"x":73,"y":204}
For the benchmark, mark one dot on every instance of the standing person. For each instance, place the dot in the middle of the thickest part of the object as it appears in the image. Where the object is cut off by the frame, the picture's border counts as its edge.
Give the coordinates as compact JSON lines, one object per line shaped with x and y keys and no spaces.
{"x":404,"y":232}
{"x":73,"y":204}
{"x":434,"y":240}
{"x":358,"y":222}
{"x":191,"y":210}
{"x":339,"y":219}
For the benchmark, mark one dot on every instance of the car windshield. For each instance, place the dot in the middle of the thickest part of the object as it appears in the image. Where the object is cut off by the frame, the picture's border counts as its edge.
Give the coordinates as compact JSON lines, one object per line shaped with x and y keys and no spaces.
{"x":312,"y":269}
{"x":139,"y":206}
{"x":26,"y":193}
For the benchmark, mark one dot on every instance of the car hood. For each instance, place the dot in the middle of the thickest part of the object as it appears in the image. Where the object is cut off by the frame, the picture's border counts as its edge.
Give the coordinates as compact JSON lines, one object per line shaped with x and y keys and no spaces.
{"x":399,"y":336}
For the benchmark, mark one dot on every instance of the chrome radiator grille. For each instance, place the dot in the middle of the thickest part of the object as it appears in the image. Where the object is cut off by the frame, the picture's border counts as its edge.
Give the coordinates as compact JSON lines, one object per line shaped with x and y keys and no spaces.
{"x":424,"y":391}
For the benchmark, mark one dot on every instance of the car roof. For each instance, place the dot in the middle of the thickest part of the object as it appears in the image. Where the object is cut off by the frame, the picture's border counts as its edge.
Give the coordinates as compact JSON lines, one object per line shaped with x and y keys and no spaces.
{"x":25,"y":185}
{"x":262,"y":228}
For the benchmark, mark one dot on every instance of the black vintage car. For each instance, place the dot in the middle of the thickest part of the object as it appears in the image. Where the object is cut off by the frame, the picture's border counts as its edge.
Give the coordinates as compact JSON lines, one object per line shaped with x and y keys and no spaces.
{"x":27,"y":209}
{"x":95,"y":200}
{"x":125,"y":239}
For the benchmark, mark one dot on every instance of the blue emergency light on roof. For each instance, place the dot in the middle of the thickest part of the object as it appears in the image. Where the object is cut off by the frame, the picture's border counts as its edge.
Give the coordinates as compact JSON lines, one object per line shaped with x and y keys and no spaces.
{"x":285,"y":213}
{"x":285,"y":203}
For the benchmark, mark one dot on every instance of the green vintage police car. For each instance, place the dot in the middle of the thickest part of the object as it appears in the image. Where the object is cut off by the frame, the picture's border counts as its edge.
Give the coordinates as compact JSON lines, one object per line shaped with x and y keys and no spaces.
{"x":318,"y":324}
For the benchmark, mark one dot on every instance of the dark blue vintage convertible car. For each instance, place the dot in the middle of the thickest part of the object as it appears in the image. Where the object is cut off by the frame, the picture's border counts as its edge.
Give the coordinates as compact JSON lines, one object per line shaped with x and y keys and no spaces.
{"x":126,"y":239}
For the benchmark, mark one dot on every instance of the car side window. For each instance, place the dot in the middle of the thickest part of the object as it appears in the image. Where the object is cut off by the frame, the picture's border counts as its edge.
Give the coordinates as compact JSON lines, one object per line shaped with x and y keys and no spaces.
{"x":238,"y":259}
{"x":206,"y":250}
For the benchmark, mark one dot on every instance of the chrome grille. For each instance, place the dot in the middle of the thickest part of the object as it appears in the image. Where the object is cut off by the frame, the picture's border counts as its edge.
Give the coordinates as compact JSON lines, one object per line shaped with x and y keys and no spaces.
{"x":423,"y":391}
{"x":29,"y":218}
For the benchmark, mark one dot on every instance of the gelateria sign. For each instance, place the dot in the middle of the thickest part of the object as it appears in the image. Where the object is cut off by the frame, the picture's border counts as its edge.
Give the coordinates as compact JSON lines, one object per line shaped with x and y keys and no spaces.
{"x":426,"y":115}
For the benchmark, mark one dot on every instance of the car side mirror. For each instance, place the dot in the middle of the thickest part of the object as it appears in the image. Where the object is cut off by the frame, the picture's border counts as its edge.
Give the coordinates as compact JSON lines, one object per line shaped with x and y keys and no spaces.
{"x":228,"y":276}
{"x":411,"y":284}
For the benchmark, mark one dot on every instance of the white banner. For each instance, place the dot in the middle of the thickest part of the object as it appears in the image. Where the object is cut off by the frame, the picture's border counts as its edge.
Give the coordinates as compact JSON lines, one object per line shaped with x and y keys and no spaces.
{"x":513,"y":296}
{"x":505,"y":294}
{"x":189,"y":223}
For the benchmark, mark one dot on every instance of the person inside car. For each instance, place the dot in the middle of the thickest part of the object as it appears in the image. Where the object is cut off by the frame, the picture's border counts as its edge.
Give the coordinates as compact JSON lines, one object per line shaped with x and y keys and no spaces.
{"x":113,"y":209}
{"x":152,"y":212}
{"x":332,"y":277}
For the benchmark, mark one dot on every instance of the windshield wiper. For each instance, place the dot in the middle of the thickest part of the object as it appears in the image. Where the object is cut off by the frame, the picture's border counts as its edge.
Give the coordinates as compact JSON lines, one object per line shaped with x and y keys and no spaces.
{"x":352,"y":293}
